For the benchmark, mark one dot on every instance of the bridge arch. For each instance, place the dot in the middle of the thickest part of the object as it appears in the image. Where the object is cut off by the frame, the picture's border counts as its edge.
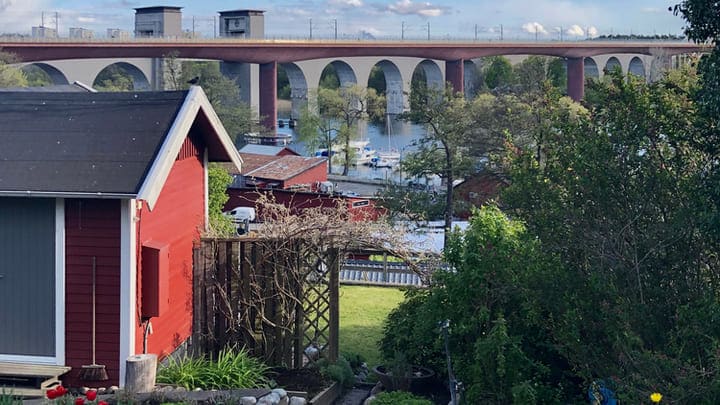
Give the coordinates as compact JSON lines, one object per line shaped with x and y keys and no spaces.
{"x":591,"y":69}
{"x":393,"y":87}
{"x":612,"y":64}
{"x":298,"y":88}
{"x":636,"y":67}
{"x":472,"y":79}
{"x":56,"y":76}
{"x":139,"y":80}
{"x":434,"y":77}
{"x":345,"y":73}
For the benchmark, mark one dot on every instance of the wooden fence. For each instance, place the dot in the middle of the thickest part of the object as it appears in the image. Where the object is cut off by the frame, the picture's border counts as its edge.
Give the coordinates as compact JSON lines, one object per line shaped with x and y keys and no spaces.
{"x":278,"y":299}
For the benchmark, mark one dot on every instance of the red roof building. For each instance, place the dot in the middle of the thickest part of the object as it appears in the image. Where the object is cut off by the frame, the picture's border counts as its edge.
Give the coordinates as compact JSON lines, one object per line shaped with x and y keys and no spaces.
{"x":104,"y":189}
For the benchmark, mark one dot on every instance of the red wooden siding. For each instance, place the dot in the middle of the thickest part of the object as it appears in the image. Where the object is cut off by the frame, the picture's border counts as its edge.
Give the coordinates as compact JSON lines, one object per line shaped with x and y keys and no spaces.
{"x":176,"y":220}
{"x":298,"y":200}
{"x":308,"y":177}
{"x":92,"y":228}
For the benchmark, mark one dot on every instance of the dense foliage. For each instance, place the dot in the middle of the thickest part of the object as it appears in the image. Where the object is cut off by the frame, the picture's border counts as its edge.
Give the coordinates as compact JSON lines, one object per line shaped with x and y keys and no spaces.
{"x":9,"y":75}
{"x":218,"y":181}
{"x":608,"y":269}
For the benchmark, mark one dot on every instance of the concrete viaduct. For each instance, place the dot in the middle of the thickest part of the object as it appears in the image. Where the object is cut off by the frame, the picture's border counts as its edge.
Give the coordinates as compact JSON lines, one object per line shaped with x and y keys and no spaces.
{"x":353,"y":60}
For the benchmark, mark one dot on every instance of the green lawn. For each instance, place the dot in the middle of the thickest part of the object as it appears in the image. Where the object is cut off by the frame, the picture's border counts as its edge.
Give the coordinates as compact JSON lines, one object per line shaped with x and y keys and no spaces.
{"x":362,"y":313}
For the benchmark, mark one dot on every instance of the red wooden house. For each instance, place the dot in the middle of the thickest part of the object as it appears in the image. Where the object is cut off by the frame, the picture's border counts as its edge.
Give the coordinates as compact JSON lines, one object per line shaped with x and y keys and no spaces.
{"x":111,"y":181}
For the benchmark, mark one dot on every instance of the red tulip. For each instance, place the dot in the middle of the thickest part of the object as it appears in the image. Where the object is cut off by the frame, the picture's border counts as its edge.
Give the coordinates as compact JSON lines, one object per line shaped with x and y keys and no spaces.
{"x":51,"y":394}
{"x":91,"y":395}
{"x":60,"y":390}
{"x":102,"y":403}
{"x":79,"y":401}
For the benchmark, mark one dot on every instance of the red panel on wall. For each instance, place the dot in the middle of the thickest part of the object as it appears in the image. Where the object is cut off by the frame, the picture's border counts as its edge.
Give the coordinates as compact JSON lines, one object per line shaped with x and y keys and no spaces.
{"x":92,"y":229}
{"x":155,"y":276}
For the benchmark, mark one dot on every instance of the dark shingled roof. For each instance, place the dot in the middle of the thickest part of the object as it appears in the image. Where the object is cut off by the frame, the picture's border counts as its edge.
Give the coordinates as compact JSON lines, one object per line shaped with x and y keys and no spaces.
{"x":82,"y":142}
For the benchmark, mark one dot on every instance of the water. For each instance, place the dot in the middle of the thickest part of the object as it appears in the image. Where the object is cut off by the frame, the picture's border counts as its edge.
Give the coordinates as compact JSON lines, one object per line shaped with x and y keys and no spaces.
{"x":397,"y":136}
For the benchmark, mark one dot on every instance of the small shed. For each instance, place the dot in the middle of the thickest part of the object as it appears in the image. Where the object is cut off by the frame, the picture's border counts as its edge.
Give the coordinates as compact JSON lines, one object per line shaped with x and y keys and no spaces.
{"x":113,"y":184}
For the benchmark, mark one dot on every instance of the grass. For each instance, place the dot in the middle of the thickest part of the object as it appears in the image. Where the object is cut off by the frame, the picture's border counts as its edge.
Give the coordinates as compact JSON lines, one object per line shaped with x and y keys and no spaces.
{"x":363,"y":311}
{"x":232,"y":369}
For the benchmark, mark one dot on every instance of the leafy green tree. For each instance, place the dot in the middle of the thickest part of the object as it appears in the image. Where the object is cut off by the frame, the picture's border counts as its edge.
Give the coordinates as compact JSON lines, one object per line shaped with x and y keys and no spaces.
{"x":335,"y":121}
{"x":329,"y":78}
{"x":113,"y":78}
{"x":36,"y":77}
{"x":618,"y":197}
{"x":443,"y":150}
{"x":218,"y":181}
{"x":237,"y":117}
{"x":9,"y":75}
{"x":496,"y":344}
{"x":498,"y":73}
{"x":534,"y":71}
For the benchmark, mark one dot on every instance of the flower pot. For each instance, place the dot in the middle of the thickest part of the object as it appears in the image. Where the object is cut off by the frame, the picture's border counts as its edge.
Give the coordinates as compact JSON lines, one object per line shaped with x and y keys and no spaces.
{"x":414,"y":381}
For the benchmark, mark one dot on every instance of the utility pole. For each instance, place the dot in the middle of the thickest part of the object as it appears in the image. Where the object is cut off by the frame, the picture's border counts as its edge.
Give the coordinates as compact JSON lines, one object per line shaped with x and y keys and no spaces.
{"x":311,"y":28}
{"x":193,"y":27}
{"x":335,"y":29}
{"x":57,"y":17}
{"x":42,"y":19}
{"x":561,"y":33}
{"x":214,"y":27}
{"x":402,"y":31}
{"x":501,"y":32}
{"x":476,"y":32}
{"x":428,"y":28}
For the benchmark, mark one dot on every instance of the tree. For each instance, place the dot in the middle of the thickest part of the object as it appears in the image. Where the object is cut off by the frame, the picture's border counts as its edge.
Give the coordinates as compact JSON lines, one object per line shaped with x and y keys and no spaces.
{"x":113,"y":78}
{"x":497,"y":346}
{"x":337,"y":116}
{"x":618,"y":196}
{"x":9,"y":75}
{"x":36,"y":77}
{"x":498,"y":73}
{"x":237,"y":117}
{"x":442,"y":151}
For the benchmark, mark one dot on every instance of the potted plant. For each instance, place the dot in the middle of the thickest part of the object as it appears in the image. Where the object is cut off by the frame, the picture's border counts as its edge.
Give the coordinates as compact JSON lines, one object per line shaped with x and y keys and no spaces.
{"x":399,"y":375}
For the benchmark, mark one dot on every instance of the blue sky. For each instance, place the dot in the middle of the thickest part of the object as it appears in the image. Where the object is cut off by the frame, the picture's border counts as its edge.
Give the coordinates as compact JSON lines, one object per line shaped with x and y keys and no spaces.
{"x":520,"y":19}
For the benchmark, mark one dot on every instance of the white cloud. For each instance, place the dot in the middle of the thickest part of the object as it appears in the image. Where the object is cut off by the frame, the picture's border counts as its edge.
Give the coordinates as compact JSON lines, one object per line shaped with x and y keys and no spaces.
{"x":534,"y":28}
{"x":592,"y":32}
{"x":82,"y":19}
{"x":407,"y":7}
{"x":575,"y":30}
{"x":346,"y":3}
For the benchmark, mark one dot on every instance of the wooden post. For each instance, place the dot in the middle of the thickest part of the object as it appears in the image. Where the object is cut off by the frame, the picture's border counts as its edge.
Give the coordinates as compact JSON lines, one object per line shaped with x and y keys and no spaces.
{"x":334,"y":291}
{"x":140,"y":373}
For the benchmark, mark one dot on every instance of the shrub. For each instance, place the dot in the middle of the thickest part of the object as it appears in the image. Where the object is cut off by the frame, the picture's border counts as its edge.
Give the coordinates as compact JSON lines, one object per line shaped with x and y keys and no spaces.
{"x":232,"y":369}
{"x":340,"y":371}
{"x":399,"y":398}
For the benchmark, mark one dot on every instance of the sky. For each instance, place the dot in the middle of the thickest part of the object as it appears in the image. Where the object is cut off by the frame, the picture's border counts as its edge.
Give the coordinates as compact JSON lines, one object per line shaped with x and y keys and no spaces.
{"x":295,"y":19}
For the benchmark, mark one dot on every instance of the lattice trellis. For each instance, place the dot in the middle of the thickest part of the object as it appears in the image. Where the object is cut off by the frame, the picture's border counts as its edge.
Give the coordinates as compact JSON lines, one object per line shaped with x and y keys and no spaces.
{"x":279,"y":299}
{"x":320,"y":304}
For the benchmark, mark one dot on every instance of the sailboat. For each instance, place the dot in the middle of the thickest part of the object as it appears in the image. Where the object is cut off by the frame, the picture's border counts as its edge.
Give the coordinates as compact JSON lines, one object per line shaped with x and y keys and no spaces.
{"x":389,"y":158}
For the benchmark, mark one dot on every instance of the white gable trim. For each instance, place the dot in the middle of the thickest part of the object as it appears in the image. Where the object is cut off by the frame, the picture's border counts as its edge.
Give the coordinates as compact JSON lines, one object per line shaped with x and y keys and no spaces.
{"x":128,"y":283}
{"x":160,"y":169}
{"x":60,"y":281}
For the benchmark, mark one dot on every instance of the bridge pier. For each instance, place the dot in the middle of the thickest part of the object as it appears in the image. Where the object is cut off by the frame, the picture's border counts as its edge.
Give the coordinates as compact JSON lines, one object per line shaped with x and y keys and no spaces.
{"x":454,"y":74}
{"x":576,"y":78}
{"x":268,"y":95}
